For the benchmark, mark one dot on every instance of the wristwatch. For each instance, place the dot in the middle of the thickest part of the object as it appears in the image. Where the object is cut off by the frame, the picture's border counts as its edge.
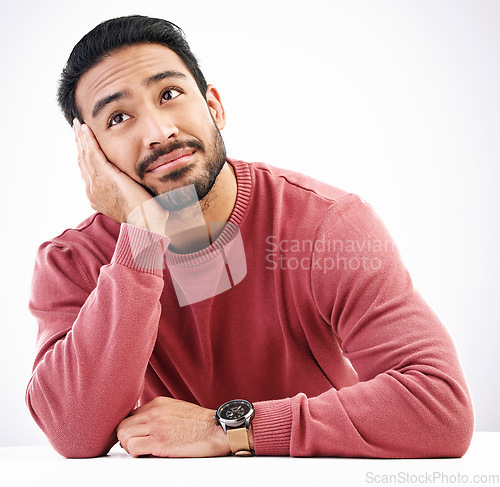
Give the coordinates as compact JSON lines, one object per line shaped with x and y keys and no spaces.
{"x":235,"y":418}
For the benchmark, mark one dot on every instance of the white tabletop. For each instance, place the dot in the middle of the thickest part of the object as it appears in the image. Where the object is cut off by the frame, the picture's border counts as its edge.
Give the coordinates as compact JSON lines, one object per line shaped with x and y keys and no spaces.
{"x":40,"y":466}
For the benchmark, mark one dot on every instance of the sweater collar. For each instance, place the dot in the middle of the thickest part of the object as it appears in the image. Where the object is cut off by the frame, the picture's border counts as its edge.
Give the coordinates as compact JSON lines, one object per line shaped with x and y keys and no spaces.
{"x":243,"y":192}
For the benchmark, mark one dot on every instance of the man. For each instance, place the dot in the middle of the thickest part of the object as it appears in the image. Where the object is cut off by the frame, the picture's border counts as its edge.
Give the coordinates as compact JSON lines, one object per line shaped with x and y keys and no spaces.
{"x":213,"y":306}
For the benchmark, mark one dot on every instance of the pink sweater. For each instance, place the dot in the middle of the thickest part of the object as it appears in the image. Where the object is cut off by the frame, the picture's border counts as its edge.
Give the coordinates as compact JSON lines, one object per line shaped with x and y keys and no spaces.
{"x":325,"y":334}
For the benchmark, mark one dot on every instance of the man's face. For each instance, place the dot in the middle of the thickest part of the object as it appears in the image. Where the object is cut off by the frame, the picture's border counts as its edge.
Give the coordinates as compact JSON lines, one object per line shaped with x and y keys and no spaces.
{"x":151,"y":120}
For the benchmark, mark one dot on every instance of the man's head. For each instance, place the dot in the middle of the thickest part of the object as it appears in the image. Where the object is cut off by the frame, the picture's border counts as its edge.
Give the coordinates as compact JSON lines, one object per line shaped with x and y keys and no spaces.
{"x":135,"y":82}
{"x":112,"y":35}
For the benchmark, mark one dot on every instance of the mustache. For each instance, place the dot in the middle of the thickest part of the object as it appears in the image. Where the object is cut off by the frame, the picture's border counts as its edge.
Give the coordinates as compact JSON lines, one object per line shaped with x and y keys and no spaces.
{"x":143,"y":165}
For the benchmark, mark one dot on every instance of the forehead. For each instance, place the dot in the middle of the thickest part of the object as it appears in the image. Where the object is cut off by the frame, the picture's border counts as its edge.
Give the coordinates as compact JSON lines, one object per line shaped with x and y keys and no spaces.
{"x":124,"y":69}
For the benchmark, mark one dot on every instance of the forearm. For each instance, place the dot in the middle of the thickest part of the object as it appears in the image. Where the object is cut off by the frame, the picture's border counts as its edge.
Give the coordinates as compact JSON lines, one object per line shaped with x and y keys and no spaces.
{"x":395,"y":415}
{"x":87,"y":381}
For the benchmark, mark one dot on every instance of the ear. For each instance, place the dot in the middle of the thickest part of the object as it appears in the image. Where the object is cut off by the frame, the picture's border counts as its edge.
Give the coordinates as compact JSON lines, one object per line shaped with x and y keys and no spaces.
{"x":215,"y":107}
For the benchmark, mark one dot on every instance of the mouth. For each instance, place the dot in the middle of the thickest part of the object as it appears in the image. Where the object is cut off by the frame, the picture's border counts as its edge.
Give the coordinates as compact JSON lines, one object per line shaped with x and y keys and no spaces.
{"x":171,"y":160}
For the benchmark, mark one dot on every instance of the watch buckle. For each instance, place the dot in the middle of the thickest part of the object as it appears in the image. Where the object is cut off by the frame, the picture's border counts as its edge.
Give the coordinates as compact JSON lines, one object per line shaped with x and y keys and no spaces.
{"x":243,"y":453}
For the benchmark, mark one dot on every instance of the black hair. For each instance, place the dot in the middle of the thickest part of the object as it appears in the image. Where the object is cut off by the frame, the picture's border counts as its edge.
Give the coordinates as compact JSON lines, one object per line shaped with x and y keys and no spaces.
{"x":114,"y":34}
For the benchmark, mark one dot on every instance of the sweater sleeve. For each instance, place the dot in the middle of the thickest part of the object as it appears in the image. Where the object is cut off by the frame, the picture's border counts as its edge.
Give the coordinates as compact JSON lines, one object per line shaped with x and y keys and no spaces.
{"x":93,"y":344}
{"x":411,"y":400}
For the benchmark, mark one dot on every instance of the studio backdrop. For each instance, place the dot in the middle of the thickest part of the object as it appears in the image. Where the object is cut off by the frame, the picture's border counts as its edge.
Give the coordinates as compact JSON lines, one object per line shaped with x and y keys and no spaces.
{"x":396,"y":101}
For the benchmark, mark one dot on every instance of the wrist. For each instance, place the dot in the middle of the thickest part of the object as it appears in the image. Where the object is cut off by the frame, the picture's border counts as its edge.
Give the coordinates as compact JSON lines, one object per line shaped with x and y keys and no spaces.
{"x":151,"y":226}
{"x":235,"y":419}
{"x":149,"y":217}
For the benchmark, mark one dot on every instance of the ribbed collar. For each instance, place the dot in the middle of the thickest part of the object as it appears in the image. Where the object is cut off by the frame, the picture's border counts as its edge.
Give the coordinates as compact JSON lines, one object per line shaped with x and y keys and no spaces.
{"x":243,"y":192}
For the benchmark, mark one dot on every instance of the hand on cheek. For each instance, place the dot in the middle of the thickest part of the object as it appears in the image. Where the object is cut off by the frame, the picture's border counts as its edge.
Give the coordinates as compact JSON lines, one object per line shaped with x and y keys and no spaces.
{"x":109,"y":190}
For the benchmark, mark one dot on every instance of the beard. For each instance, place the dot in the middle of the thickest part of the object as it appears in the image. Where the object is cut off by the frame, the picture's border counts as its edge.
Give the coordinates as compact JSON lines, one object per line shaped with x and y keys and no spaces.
{"x":180,"y":197}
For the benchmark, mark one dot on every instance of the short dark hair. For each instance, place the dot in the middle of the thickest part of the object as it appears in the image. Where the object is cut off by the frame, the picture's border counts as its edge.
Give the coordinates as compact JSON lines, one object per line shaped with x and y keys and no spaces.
{"x":112,"y":35}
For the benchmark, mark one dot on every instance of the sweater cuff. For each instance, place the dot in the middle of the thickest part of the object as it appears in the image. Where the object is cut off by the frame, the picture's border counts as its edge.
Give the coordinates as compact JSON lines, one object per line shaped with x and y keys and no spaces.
{"x":272,"y":427}
{"x":140,"y":249}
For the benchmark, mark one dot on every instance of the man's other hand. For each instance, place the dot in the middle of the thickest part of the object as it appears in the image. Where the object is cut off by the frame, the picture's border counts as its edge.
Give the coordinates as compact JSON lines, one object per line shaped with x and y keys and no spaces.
{"x":111,"y":191}
{"x":168,"y":427}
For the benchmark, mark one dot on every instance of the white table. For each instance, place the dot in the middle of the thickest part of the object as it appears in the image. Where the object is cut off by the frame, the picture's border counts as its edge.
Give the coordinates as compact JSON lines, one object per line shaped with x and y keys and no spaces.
{"x":41,"y":466}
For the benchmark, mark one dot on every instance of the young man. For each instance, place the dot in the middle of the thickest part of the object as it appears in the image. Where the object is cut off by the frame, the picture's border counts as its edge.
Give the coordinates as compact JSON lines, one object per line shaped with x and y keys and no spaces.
{"x":204,"y":282}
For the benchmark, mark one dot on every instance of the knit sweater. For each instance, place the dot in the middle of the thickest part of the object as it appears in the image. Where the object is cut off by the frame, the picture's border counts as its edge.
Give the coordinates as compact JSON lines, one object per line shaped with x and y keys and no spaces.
{"x":323,"y":330}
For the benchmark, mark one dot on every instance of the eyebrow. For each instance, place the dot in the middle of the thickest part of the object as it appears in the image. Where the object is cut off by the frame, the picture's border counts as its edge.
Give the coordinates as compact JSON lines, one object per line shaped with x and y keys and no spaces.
{"x":99,"y":106}
{"x":103,"y":102}
{"x":163,"y":75}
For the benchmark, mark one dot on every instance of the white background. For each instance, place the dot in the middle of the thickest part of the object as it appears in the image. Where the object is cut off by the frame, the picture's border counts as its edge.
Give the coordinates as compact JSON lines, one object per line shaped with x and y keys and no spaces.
{"x":397,"y":101}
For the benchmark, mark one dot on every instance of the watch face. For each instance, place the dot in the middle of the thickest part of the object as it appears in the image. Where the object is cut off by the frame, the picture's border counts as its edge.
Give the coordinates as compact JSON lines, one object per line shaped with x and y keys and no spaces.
{"x":235,"y":410}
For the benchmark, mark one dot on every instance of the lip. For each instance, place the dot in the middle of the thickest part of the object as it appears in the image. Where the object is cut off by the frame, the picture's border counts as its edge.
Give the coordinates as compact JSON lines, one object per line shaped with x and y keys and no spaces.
{"x":174,"y":158}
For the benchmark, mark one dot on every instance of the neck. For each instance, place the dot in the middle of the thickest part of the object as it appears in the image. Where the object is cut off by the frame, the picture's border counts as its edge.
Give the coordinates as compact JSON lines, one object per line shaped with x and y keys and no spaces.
{"x":196,"y":227}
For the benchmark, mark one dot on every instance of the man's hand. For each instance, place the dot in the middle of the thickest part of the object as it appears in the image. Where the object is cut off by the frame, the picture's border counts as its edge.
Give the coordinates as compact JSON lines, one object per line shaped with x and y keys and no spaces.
{"x":111,"y":191}
{"x":168,"y":427}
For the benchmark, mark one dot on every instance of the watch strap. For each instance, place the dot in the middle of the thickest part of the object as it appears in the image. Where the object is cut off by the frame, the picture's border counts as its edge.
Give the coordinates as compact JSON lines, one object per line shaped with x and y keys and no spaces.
{"x":238,"y":441}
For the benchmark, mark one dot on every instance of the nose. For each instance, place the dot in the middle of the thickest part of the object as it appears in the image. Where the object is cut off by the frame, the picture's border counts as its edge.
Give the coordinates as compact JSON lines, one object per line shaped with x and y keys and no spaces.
{"x":158,"y":128}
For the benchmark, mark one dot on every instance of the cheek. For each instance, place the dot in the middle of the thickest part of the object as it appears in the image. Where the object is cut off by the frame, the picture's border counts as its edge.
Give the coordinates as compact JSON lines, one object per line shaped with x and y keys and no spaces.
{"x":202,"y":127}
{"x":195,"y":120}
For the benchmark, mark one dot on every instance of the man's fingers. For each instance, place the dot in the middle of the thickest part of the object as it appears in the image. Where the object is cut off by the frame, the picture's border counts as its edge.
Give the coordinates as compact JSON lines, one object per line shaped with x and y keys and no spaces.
{"x":92,"y":154}
{"x":140,"y":445}
{"x":151,"y":404}
{"x":125,"y":433}
{"x":109,"y":190}
{"x":95,"y":156}
{"x":131,"y":421}
{"x":81,"y":159}
{"x":80,"y":139}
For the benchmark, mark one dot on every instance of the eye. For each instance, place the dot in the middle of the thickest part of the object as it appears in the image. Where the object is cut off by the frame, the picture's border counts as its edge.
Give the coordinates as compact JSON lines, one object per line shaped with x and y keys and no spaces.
{"x":170,"y":94}
{"x":117,"y":118}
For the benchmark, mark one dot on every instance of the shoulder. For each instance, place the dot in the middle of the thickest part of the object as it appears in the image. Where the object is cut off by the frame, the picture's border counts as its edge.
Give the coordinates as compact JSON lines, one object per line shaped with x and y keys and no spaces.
{"x":294,"y":182}
{"x":95,"y":232}
{"x":82,"y":249}
{"x":288,"y":196}
{"x":301,"y":198}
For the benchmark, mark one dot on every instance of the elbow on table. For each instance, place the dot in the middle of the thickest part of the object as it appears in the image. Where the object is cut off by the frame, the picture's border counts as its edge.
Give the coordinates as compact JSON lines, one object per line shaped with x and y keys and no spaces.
{"x":80,"y":449}
{"x":452,"y":437}
{"x":462,"y":431}
{"x":72,"y":442}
